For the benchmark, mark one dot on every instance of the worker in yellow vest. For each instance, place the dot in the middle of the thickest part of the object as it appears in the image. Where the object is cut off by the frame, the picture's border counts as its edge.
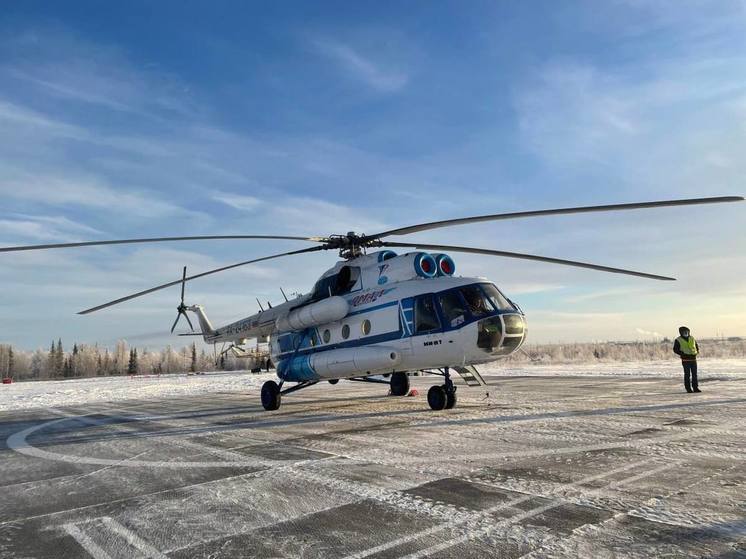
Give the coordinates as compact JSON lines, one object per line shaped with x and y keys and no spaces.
{"x":685,"y":346}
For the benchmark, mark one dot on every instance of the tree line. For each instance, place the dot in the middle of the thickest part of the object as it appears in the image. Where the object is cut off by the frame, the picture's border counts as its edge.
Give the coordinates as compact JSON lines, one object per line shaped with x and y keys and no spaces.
{"x":82,"y":360}
{"x":734,"y":348}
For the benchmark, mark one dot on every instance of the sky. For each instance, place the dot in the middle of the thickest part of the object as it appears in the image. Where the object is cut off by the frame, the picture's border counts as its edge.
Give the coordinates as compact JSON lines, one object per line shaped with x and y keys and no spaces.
{"x":140,"y":119}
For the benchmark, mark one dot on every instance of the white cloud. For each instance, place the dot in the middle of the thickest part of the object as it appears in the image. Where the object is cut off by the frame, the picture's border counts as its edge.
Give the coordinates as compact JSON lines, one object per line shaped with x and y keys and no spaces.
{"x":361,"y":67}
{"x":83,"y":191}
{"x":648,"y":333}
{"x":237,"y":201}
{"x":40,"y":227}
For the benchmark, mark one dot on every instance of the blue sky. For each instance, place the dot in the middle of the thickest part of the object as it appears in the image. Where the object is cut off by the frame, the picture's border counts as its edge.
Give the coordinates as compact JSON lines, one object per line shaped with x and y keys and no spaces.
{"x":179,"y":118}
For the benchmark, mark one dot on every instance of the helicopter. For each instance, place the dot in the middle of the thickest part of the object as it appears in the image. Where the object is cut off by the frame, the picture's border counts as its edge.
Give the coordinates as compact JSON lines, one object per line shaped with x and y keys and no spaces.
{"x":377,"y":313}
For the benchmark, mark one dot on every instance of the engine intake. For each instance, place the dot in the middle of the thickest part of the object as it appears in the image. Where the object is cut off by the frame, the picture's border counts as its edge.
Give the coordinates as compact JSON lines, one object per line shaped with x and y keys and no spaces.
{"x":425,"y":265}
{"x":446,"y":265}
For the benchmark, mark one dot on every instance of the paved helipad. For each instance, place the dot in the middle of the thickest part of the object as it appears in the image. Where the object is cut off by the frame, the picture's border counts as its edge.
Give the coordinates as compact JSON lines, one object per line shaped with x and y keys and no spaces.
{"x":544,"y":467}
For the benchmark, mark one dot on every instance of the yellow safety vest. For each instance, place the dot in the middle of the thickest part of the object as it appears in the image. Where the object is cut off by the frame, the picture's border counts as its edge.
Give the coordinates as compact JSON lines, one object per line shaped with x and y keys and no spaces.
{"x":689,"y":347}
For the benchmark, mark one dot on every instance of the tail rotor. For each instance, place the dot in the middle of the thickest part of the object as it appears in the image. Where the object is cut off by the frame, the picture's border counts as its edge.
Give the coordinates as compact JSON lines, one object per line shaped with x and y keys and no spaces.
{"x":182,"y":308}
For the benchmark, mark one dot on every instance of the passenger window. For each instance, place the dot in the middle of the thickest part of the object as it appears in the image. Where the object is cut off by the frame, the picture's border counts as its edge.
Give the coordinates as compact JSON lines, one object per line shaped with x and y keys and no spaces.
{"x":346,"y":331}
{"x":425,"y":317}
{"x":452,"y":307}
{"x":475,"y":300}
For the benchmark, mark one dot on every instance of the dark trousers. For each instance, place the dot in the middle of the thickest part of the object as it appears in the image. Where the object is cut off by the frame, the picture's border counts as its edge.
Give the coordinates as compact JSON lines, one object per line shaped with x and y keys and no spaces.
{"x":690,"y":369}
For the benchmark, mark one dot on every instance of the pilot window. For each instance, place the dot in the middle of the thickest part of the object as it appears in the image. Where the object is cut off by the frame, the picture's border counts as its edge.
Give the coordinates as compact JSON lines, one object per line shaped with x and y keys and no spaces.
{"x":497,"y":298}
{"x":425,"y":317}
{"x":476,"y":302}
{"x":452,"y":307}
{"x":337,"y":284}
{"x":346,"y":279}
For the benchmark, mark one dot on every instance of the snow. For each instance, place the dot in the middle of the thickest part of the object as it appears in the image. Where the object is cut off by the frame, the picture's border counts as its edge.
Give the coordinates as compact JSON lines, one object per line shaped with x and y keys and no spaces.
{"x":76,"y":392}
{"x":572,"y":460}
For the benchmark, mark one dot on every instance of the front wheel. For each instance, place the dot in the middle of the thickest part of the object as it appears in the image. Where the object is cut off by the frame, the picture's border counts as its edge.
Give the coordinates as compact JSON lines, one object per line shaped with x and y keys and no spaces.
{"x":436,"y":397}
{"x":399,"y":384}
{"x":271,"y":397}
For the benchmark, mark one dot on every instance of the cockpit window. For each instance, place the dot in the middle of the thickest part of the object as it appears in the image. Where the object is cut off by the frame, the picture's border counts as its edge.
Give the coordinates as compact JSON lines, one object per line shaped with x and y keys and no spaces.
{"x":497,"y":298}
{"x":452,"y":307}
{"x":337,"y":284}
{"x":476,"y":302}
{"x":425,"y":317}
{"x":346,"y":279}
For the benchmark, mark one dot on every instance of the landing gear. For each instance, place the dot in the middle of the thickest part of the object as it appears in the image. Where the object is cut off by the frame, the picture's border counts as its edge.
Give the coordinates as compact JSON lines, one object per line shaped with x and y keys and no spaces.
{"x":399,"y":384}
{"x":436,"y":397}
{"x":333,"y":381}
{"x":442,"y":397}
{"x":271,"y":396}
{"x":451,"y":399}
{"x":272,"y":392}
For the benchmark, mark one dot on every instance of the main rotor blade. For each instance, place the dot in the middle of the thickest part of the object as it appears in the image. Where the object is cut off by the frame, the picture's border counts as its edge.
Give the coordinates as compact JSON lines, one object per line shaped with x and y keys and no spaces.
{"x":558,"y":211}
{"x":158,"y":240}
{"x":529,"y":257}
{"x":203,"y":274}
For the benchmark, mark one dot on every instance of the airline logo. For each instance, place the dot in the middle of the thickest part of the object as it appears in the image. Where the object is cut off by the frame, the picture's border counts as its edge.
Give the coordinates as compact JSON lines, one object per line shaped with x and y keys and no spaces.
{"x":381,"y":278}
{"x":370,"y":297}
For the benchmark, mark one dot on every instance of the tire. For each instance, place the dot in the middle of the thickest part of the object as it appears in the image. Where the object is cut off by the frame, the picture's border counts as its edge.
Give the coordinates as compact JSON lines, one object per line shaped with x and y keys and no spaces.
{"x":333,"y":381}
{"x":436,"y":397}
{"x":450,"y":398}
{"x":399,"y":384}
{"x":271,"y":397}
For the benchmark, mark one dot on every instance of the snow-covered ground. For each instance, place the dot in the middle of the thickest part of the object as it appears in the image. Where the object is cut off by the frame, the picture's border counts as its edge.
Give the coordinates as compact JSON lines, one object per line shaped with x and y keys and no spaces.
{"x":55,"y":393}
{"x":609,"y":465}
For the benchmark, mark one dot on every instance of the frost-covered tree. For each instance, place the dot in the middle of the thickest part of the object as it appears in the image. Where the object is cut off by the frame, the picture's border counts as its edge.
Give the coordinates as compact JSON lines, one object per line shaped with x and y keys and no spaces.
{"x":132,"y":366}
{"x":193,"y":361}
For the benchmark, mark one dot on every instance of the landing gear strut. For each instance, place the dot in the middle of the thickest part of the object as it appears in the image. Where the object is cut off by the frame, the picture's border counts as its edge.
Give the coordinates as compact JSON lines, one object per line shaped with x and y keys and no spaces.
{"x":272,"y":393}
{"x":442,"y":397}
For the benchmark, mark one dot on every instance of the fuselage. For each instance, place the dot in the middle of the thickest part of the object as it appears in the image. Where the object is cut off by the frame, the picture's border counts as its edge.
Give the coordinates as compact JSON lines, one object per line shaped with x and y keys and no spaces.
{"x":383,"y":313}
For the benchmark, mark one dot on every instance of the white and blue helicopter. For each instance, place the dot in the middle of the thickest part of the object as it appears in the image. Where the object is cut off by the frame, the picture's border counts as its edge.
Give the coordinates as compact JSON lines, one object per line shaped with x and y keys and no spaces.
{"x":381,"y":313}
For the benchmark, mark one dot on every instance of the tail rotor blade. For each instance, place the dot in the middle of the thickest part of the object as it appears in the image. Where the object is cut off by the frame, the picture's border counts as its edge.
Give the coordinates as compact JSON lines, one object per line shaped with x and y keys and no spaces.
{"x":178,"y":316}
{"x":189,"y":321}
{"x":183,"y":284}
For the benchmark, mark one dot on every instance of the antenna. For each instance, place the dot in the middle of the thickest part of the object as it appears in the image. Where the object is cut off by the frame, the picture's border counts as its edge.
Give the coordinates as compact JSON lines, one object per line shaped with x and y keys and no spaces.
{"x":283,"y":294}
{"x":269,"y":304}
{"x":261,"y":308}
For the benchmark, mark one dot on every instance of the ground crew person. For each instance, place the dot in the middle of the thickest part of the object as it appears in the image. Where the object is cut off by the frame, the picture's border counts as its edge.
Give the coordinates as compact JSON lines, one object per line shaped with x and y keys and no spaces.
{"x":685,"y":346}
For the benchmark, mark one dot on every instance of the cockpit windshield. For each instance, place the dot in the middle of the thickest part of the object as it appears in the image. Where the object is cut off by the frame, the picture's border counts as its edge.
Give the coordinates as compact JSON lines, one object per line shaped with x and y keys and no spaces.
{"x":476,"y":302}
{"x":497,"y":298}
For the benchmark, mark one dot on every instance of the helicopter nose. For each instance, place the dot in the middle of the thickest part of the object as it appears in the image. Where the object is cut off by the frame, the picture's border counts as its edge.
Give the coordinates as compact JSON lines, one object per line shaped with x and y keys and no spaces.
{"x":501,"y":334}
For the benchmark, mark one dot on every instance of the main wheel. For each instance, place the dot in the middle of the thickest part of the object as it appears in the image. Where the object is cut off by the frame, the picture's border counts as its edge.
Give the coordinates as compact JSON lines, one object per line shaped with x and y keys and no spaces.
{"x":399,"y":384}
{"x":436,"y":397}
{"x":271,"y":397}
{"x":450,"y":398}
{"x":333,"y":381}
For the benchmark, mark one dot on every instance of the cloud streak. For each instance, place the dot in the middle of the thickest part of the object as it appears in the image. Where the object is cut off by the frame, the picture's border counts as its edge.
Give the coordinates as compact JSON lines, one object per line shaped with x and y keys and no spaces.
{"x":360,"y":67}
